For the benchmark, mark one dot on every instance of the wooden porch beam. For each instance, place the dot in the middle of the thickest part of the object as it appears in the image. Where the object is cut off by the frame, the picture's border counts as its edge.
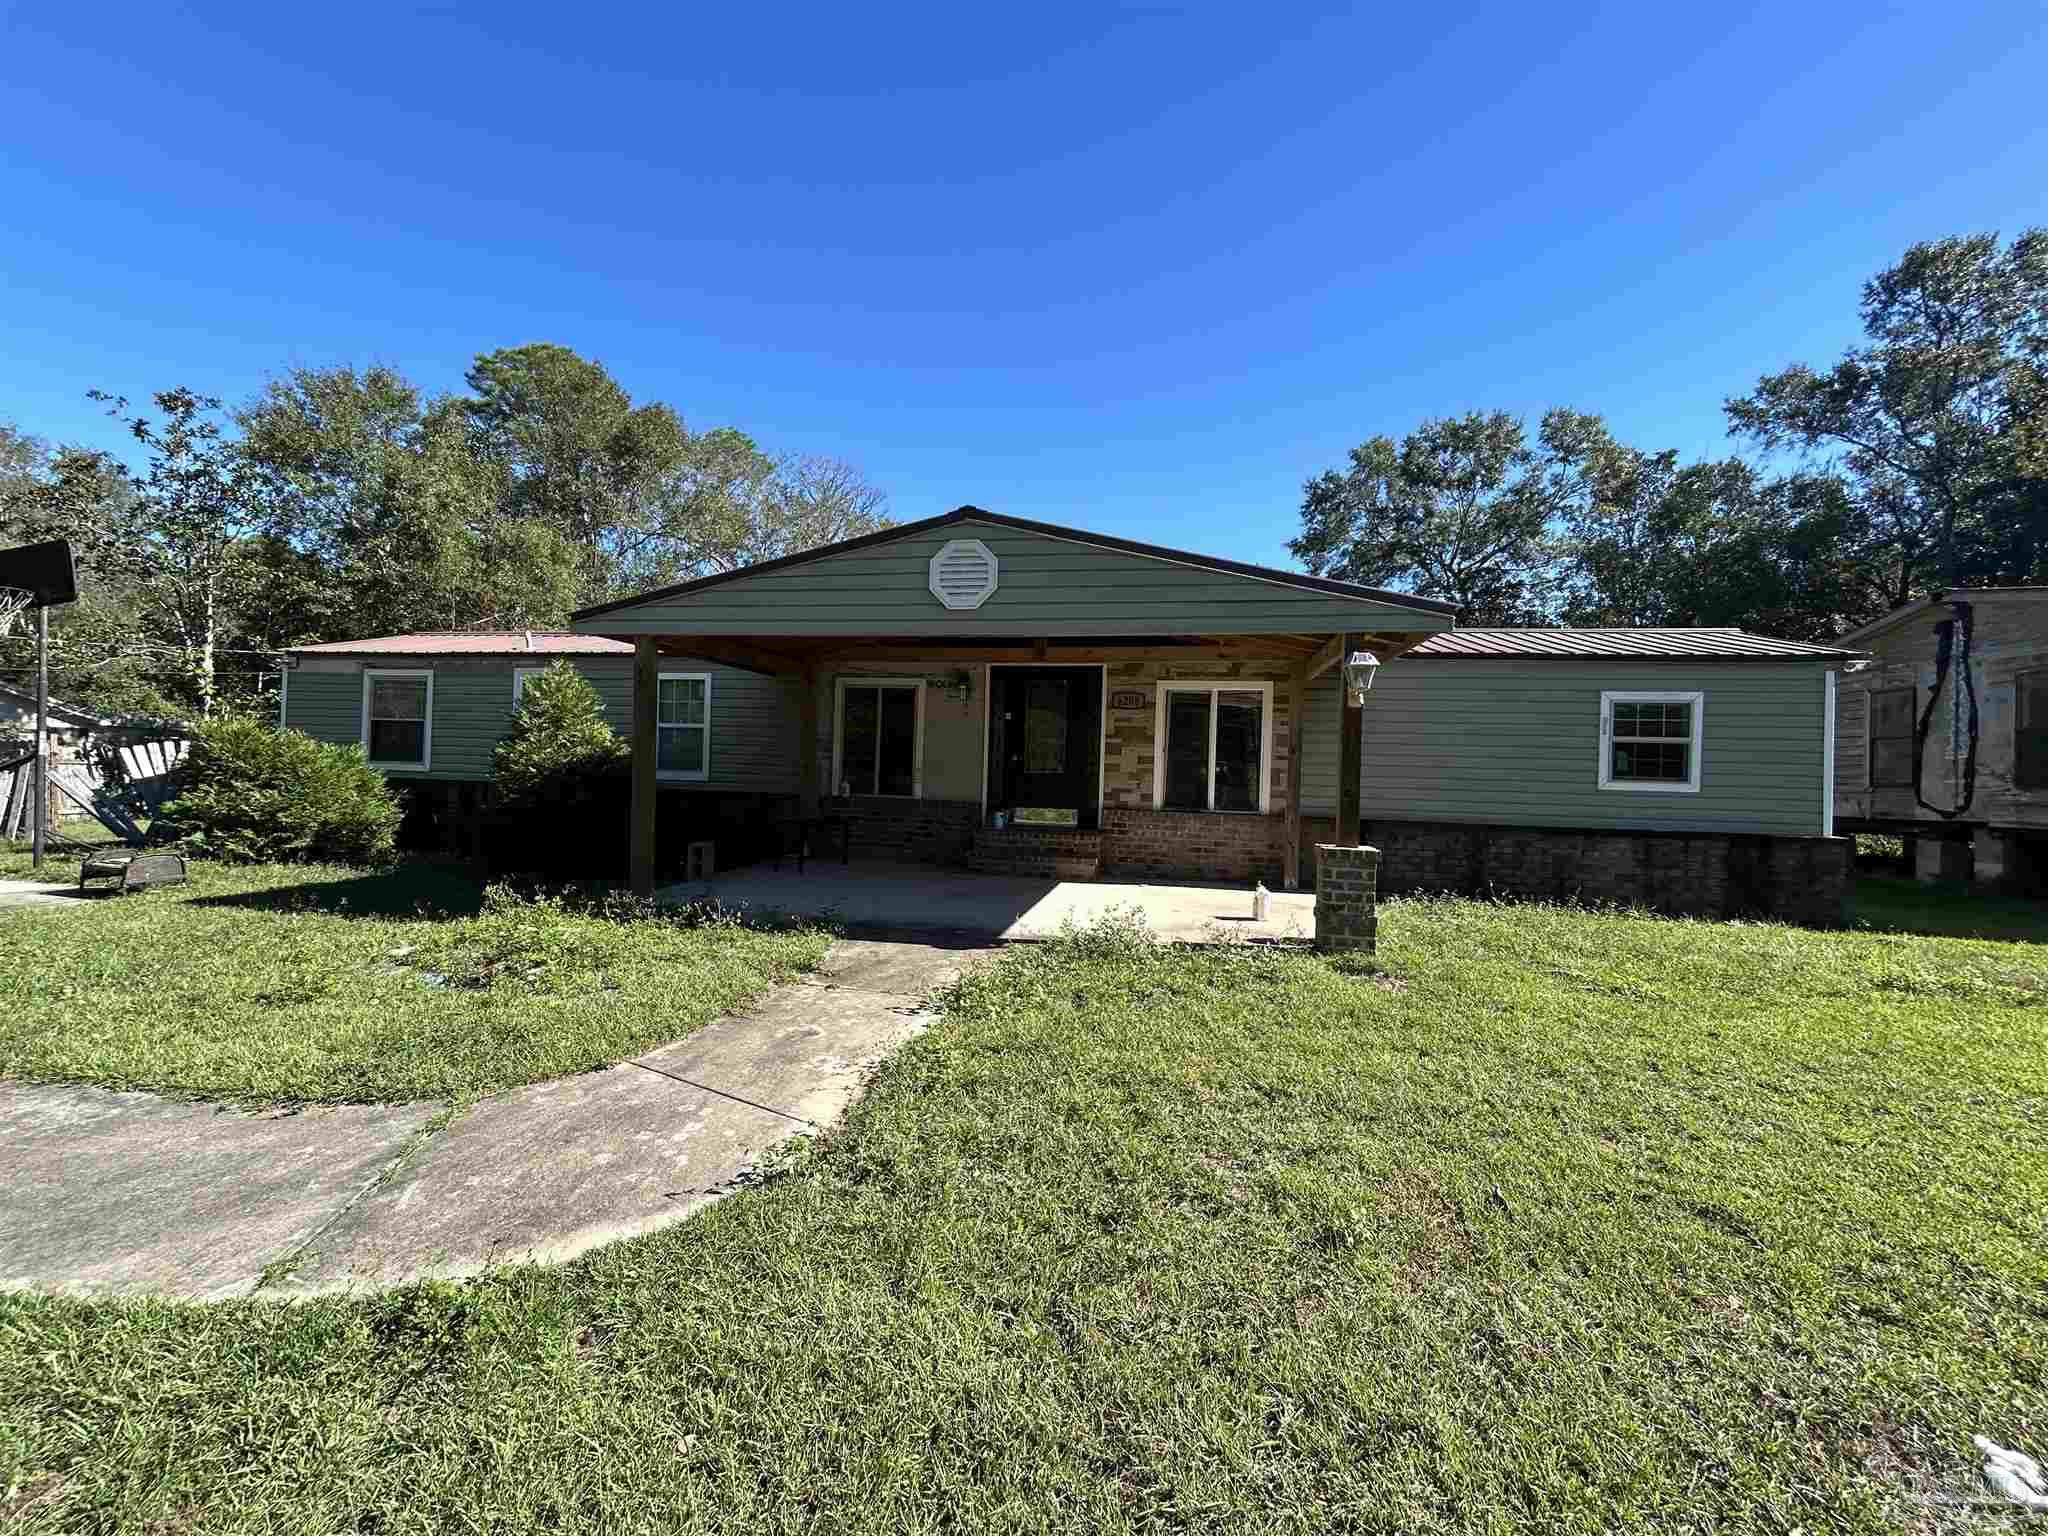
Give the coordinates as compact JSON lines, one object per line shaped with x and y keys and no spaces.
{"x":1350,"y":755}
{"x":743,"y":654}
{"x":1054,"y":655}
{"x":1297,"y":721}
{"x":1327,"y":656}
{"x":646,"y":678}
{"x":807,"y":742}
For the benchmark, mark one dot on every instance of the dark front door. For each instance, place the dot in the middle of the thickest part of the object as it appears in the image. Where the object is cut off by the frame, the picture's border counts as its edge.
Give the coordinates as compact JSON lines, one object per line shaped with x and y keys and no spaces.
{"x":1045,"y":742}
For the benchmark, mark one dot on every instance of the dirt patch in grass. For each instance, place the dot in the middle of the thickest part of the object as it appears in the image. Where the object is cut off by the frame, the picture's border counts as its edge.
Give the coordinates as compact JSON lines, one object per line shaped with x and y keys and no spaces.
{"x":1429,"y":1227}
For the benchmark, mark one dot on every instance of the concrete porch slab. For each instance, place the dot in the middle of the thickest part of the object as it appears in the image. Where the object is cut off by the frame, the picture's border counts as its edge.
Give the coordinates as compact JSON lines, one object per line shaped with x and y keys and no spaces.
{"x":916,"y":898}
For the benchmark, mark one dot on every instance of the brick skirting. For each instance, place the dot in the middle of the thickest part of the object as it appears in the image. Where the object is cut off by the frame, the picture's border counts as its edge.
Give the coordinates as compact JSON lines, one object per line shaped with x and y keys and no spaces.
{"x":1191,"y":845}
{"x":1042,"y":853}
{"x":1801,"y":880}
{"x":918,"y":831}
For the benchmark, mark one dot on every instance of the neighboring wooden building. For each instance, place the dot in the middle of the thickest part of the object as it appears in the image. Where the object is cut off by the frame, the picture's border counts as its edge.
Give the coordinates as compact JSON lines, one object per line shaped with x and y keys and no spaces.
{"x":1942,"y":736}
{"x":69,"y":724}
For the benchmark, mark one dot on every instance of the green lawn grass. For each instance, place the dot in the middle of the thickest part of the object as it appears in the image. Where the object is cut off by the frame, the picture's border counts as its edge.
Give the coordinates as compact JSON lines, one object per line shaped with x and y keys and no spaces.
{"x":1901,"y":904}
{"x":1563,"y":1222}
{"x":60,"y":858}
{"x":272,"y":983}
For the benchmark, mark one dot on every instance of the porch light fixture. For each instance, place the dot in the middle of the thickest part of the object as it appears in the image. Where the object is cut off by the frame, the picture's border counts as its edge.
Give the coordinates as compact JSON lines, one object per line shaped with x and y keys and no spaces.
{"x":1359,"y":668}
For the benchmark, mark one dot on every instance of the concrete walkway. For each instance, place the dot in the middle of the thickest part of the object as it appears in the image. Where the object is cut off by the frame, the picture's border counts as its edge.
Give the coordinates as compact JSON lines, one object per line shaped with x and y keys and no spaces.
{"x":42,"y":893}
{"x":130,"y":1194}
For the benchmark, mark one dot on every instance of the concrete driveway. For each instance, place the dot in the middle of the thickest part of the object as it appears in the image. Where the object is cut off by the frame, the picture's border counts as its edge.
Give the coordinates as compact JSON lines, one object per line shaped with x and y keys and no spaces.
{"x":131,"y":1194}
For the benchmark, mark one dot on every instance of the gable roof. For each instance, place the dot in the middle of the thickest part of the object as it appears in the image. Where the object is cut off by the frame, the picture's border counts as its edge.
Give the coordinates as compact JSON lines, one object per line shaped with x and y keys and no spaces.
{"x":472,"y":642}
{"x":1927,"y":605}
{"x":1700,"y":644}
{"x":1299,"y":580}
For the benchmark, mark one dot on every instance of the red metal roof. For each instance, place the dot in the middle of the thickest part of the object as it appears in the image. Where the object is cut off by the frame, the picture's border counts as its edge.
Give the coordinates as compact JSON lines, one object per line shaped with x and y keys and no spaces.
{"x":1628,"y":644}
{"x":473,"y":642}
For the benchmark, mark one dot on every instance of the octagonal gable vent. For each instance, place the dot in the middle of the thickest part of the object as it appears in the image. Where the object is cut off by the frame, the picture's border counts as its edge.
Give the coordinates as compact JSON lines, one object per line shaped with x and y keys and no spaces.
{"x":963,"y":573}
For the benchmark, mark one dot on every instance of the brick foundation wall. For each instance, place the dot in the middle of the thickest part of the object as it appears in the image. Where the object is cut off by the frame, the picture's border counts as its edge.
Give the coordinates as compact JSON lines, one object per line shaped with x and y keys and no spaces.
{"x":1191,"y":845}
{"x":917,"y":831}
{"x":1801,"y":880}
{"x":1043,"y":853}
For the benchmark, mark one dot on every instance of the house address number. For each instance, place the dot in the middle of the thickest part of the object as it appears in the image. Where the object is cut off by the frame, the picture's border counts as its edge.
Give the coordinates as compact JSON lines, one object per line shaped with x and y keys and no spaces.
{"x":1128,"y":698}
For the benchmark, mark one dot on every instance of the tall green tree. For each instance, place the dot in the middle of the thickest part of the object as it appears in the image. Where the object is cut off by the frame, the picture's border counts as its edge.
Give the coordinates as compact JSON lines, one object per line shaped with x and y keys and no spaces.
{"x":577,"y":454}
{"x":183,"y":546}
{"x":1926,"y":422}
{"x":413,"y":528}
{"x":643,"y":498}
{"x":1651,"y":541}
{"x":1460,"y":509}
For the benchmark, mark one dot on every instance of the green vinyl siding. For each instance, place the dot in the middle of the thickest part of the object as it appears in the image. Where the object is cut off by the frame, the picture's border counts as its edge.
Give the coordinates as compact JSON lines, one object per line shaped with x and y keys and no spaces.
{"x":1518,"y":744}
{"x":753,"y":738}
{"x":1044,"y":587}
{"x":1319,"y":734}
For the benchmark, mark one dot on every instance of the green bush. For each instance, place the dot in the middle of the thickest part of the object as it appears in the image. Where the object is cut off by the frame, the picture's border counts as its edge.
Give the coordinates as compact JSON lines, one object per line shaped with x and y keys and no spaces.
{"x":558,"y":742}
{"x":251,"y":794}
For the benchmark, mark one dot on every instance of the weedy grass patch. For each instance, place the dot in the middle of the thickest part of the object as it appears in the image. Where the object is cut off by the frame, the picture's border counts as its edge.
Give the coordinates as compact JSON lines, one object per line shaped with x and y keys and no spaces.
{"x":1555,"y":1221}
{"x":288,"y":983}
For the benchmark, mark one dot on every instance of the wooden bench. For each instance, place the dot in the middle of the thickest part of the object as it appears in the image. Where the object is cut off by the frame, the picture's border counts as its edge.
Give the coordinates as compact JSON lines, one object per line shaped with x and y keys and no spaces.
{"x":133,"y":871}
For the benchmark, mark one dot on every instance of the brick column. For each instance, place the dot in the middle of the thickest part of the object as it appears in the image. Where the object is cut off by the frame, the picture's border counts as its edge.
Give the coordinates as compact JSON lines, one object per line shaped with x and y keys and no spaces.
{"x":1346,"y":884}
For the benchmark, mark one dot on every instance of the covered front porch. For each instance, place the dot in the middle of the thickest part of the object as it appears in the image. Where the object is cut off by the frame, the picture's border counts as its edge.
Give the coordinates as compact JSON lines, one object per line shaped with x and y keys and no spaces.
{"x":1014,"y":699}
{"x":884,"y":896}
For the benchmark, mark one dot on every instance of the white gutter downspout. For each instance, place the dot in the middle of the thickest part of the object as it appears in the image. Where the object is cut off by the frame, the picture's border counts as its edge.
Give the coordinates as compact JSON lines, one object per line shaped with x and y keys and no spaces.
{"x":1827,"y":754}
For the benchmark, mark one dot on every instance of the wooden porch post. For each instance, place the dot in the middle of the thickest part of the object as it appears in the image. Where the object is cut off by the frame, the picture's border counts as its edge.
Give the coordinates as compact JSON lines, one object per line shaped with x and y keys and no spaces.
{"x":646,"y":688}
{"x":1350,"y":753}
{"x":1297,"y":721}
{"x":807,"y":744}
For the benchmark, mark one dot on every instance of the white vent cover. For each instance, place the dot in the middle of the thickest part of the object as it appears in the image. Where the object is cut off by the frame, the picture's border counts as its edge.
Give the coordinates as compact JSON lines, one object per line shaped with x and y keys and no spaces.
{"x":963,"y":573}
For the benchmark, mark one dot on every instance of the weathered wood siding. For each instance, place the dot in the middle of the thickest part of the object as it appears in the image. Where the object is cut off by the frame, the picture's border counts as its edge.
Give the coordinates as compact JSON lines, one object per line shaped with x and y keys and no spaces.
{"x":1045,"y":587}
{"x":1518,"y":743}
{"x":1852,"y":736}
{"x":2010,"y":636}
{"x":753,"y":737}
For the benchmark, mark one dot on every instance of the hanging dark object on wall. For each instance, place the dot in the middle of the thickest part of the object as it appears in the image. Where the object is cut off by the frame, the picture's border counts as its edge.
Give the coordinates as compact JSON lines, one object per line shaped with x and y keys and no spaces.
{"x":1951,"y":654}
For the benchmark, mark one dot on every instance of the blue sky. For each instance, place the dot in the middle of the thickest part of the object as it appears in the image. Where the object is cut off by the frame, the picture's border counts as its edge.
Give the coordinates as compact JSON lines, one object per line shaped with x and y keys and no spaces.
{"x":1141,"y":270}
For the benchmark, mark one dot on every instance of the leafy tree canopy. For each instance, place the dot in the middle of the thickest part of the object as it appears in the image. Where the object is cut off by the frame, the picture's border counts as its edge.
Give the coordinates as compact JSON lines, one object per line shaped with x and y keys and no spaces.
{"x":1460,"y":509}
{"x":1934,"y":422}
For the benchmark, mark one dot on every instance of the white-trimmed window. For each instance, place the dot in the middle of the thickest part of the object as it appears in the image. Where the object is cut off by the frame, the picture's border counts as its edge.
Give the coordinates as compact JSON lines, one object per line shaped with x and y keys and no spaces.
{"x":682,"y":726}
{"x":398,"y":719}
{"x":521,"y":676}
{"x":878,"y":736}
{"x":1650,"y":742}
{"x":1213,"y":746}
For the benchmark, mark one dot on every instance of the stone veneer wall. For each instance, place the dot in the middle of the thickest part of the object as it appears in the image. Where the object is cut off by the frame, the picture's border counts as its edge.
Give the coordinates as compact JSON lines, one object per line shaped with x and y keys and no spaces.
{"x":1191,"y":845}
{"x":1128,"y":733}
{"x":1802,"y":880}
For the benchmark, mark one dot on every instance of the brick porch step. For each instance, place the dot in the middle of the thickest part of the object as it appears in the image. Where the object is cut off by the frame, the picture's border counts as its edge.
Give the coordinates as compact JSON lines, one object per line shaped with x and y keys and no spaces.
{"x":1041,"y":853}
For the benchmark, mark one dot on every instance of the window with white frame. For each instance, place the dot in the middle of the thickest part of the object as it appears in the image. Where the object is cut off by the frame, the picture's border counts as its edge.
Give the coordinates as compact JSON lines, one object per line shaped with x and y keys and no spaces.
{"x":1213,"y":746}
{"x":398,"y":710}
{"x":877,"y":728}
{"x":1651,"y":741}
{"x":521,"y":676}
{"x":682,"y":725}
